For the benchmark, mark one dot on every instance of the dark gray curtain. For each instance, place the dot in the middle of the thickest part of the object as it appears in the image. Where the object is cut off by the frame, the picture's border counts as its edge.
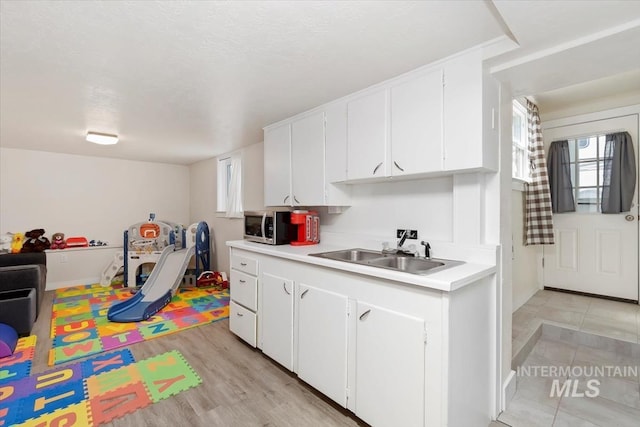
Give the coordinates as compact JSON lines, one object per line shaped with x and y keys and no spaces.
{"x":559,"y":170}
{"x":619,"y":181}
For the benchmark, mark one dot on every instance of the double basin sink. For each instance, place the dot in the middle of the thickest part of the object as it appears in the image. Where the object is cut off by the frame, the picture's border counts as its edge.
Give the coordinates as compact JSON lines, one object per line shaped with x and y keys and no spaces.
{"x":398,"y":262}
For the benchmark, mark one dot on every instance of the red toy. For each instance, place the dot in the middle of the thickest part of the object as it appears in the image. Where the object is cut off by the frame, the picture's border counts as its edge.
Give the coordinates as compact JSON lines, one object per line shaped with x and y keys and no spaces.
{"x":210,"y":278}
{"x":57,"y":241}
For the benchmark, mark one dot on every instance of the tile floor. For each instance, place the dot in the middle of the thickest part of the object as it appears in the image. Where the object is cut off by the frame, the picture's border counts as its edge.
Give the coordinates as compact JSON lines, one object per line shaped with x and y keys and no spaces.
{"x":555,"y":329}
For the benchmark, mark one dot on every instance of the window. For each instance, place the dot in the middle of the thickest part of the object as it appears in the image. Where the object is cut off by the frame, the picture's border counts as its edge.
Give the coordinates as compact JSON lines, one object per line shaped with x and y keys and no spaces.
{"x":224,"y":182}
{"x":520,"y":156}
{"x":587,"y":158}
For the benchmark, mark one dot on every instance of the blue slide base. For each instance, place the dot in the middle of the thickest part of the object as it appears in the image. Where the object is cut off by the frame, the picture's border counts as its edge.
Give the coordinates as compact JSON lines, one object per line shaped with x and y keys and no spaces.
{"x":136,"y":310}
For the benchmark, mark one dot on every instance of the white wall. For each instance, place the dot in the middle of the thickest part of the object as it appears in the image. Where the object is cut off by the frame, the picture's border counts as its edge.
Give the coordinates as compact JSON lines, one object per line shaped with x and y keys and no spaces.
{"x":94,"y":197}
{"x":203,"y":200}
{"x":526,"y":259}
{"x":379,"y":209}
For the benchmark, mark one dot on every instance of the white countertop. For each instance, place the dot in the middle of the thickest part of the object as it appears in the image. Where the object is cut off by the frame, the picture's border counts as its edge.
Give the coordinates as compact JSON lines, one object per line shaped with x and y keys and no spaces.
{"x":448,"y":279}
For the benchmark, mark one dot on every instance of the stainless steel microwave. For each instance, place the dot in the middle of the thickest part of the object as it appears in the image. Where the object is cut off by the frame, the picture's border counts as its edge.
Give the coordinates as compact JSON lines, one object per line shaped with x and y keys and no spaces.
{"x":270,"y":227}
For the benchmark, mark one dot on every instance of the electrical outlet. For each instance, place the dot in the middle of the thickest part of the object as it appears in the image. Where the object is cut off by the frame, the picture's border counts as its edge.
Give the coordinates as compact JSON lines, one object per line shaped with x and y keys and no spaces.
{"x":63,"y":258}
{"x":411,"y":234}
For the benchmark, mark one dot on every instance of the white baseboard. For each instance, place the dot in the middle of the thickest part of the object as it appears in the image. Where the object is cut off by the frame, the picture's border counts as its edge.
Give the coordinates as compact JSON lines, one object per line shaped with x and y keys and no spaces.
{"x":523,"y":299}
{"x":509,"y":389}
{"x":65,"y":284}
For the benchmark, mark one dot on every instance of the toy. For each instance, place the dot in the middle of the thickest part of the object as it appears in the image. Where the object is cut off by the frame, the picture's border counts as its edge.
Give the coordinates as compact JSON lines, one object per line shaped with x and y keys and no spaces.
{"x":57,"y":241}
{"x":210,"y":278}
{"x":77,"y":242}
{"x":5,"y":242}
{"x":8,"y":340}
{"x":35,"y":241}
{"x":16,"y":244}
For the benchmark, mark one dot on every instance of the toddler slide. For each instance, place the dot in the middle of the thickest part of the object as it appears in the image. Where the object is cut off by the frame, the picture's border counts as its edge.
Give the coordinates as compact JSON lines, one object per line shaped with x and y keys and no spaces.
{"x":157,"y":290}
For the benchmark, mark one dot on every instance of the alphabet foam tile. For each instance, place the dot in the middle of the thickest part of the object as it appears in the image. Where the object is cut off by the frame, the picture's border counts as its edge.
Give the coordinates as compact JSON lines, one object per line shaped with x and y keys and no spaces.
{"x":15,"y":372}
{"x":117,"y":403}
{"x":47,"y":401}
{"x":78,"y":333}
{"x":106,"y":362}
{"x":167,"y":374}
{"x":76,"y":415}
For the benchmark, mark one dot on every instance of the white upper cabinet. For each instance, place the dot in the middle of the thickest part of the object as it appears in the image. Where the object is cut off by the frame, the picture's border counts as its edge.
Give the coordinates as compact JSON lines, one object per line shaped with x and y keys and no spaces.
{"x":307,"y":160}
{"x":277,"y":166}
{"x":397,"y":130}
{"x":367,"y":133}
{"x":471,"y":113}
{"x":302,"y":158}
{"x":416,"y":125}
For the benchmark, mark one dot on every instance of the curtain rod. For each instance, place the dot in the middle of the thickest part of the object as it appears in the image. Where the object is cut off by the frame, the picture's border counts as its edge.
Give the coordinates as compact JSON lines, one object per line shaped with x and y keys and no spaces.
{"x":587,"y":135}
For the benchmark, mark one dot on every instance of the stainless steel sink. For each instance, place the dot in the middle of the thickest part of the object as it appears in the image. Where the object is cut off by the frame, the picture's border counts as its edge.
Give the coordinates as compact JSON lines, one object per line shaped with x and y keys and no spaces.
{"x":397,"y":262}
{"x":353,"y":255}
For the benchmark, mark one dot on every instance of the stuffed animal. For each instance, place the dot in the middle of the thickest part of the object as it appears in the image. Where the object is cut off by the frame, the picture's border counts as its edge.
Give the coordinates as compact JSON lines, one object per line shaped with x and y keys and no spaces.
{"x":5,"y":243}
{"x":35,"y":241}
{"x":16,"y":243}
{"x":57,"y":241}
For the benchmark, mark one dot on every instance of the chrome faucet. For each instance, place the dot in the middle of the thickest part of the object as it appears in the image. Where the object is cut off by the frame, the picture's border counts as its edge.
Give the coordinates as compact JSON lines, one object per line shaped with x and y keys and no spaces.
{"x":411,"y":251}
{"x":402,"y":239}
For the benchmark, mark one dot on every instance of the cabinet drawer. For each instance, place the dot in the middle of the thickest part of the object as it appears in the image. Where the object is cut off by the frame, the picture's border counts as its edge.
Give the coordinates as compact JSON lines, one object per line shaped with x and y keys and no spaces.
{"x":244,"y":264}
{"x":242,"y":322}
{"x":244,"y":289}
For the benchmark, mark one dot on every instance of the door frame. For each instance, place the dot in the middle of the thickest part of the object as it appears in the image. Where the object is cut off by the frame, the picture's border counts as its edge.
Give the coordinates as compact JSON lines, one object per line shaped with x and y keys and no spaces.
{"x":599,"y":116}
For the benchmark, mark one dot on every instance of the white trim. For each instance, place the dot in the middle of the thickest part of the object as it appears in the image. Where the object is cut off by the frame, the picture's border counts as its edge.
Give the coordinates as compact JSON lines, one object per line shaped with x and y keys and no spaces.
{"x":517,"y":184}
{"x":591,"y":117}
{"x":581,"y":41}
{"x":509,"y":388}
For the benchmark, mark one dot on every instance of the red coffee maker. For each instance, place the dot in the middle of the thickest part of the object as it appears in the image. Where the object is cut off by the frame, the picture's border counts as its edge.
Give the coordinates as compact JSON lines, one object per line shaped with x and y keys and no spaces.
{"x":306,"y":226}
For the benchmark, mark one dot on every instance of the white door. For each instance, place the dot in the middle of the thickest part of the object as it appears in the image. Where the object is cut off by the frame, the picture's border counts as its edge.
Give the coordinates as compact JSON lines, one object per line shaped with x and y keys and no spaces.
{"x":322,"y":341}
{"x":276,"y":318}
{"x":416,"y":125}
{"x":277,"y":166}
{"x":390,"y":351}
{"x":307,"y":160}
{"x":593,"y":252}
{"x":367,"y":131}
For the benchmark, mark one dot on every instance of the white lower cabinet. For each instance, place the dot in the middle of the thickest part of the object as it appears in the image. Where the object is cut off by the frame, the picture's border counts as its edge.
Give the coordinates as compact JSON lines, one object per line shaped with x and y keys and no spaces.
{"x":394,"y":354}
{"x":242,"y":322}
{"x":276,"y":319}
{"x":390,"y":357}
{"x":322,"y":341}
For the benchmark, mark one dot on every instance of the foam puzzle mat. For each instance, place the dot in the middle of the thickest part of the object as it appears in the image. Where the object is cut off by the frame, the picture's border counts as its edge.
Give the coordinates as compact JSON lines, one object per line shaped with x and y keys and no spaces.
{"x":79,"y":325}
{"x":94,"y":391}
{"x":18,"y":365}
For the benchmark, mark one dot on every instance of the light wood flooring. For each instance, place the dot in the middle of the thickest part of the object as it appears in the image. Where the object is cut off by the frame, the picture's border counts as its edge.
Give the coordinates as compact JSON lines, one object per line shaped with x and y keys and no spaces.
{"x":241,"y":387}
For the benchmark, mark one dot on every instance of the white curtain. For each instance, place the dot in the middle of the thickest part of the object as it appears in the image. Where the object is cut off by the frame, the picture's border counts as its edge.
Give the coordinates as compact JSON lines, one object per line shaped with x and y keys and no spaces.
{"x":234,"y":198}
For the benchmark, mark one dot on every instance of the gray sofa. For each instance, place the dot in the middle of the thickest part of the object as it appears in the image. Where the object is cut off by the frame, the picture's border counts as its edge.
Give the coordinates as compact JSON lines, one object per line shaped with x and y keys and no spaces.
{"x":20,"y":273}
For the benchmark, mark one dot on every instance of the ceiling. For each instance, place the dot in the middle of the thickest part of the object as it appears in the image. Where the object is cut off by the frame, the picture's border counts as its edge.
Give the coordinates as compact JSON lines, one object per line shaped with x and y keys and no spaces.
{"x":184,"y":81}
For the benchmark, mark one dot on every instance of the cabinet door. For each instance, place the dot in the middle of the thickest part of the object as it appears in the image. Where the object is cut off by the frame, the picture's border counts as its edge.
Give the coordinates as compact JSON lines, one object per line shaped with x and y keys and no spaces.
{"x":322,"y":341}
{"x":367,"y":129}
{"x":307,"y":160}
{"x":390,"y":351}
{"x":276,"y":318}
{"x":277,"y":166}
{"x":416,"y":125}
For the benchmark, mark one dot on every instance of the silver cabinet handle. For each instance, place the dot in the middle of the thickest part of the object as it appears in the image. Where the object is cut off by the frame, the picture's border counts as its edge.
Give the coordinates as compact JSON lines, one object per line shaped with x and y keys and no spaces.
{"x":398,"y":166}
{"x":629,"y":218}
{"x":304,"y":293}
{"x":284,"y":286}
{"x":244,"y":264}
{"x":376,"y":168}
{"x":365,"y":314}
{"x":295,"y":199}
{"x":242,"y":281}
{"x":239,"y":314}
{"x":285,"y":199}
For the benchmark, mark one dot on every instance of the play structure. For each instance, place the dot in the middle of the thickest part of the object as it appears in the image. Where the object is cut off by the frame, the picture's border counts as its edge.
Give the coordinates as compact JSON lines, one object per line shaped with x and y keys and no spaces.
{"x":170,"y":247}
{"x":8,"y":340}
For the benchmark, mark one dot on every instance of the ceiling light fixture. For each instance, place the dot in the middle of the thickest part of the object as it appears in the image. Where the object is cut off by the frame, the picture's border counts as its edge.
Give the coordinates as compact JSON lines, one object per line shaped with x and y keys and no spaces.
{"x":102,"y":138}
